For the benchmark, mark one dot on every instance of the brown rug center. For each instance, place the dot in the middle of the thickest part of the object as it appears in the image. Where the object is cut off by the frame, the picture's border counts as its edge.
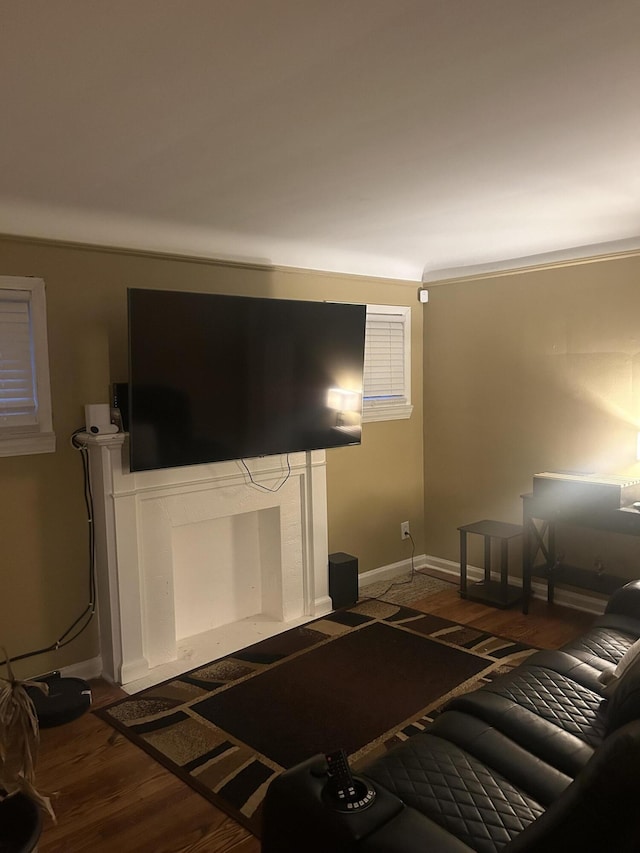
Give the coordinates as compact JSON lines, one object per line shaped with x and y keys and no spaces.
{"x":339,"y":696}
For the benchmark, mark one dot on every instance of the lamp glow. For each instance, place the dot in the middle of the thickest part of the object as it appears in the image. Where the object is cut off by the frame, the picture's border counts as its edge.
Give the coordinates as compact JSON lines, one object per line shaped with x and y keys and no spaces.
{"x":342,"y":400}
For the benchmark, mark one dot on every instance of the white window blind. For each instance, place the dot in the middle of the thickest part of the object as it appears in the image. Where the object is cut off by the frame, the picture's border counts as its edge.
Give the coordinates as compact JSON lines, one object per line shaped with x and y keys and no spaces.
{"x":25,"y":398}
{"x":18,"y":395}
{"x":387,"y":363}
{"x":384,"y":357}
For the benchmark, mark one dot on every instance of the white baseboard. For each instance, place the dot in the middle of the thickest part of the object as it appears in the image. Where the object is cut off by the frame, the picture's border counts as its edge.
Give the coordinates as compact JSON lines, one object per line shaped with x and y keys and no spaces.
{"x":563,"y":597}
{"x":450,"y":570}
{"x":86,"y":669}
{"x":393,"y":570}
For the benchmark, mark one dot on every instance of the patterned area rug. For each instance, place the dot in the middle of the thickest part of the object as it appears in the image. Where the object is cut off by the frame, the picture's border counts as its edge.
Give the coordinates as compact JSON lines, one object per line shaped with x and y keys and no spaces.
{"x":359,"y":679}
{"x":407,"y":588}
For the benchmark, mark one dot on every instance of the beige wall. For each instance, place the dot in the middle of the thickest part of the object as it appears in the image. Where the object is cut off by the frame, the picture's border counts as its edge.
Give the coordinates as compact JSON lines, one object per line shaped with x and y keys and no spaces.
{"x":523,"y":372}
{"x":371,"y":488}
{"x":529,"y":372}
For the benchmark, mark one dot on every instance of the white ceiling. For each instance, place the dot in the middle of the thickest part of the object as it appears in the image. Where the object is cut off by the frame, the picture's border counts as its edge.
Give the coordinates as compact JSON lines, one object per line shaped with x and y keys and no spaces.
{"x":384,"y":137}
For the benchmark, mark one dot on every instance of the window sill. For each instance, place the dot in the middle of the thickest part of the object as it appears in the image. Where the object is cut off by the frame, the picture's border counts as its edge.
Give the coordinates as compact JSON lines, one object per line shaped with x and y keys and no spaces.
{"x":23,"y":445}
{"x":401,"y":411}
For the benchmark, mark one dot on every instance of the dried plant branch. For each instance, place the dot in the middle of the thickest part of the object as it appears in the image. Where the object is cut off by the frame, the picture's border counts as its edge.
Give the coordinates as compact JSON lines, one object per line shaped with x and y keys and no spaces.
{"x":19,"y":738}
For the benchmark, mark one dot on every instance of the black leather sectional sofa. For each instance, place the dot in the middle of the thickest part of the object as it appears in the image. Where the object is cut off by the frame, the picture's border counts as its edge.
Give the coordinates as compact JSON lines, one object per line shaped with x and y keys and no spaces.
{"x":537,"y":761}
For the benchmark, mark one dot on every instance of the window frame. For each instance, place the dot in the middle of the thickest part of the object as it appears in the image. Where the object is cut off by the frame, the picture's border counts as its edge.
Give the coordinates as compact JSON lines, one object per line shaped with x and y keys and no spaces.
{"x":392,"y":409}
{"x":38,"y":437}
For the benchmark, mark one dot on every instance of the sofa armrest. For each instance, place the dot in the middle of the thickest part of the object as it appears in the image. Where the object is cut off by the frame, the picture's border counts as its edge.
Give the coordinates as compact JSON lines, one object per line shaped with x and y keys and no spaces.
{"x":626,"y":600}
{"x":296,"y":817}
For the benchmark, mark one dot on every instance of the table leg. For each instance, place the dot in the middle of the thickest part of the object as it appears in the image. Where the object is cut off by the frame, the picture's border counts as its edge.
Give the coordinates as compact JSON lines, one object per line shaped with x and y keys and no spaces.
{"x":526,"y":564}
{"x":504,"y":570}
{"x":463,"y":564}
{"x":487,"y":559}
{"x":551,"y":565}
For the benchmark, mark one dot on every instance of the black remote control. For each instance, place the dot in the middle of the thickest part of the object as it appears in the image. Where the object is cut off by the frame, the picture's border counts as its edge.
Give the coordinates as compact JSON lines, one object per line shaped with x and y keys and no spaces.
{"x":342,"y":783}
{"x":344,"y":792}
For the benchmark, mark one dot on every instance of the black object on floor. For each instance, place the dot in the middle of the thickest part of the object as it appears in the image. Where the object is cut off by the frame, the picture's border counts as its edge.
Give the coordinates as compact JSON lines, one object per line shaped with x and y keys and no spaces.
{"x":68,"y":699}
{"x":343,"y":579}
{"x":20,"y":824}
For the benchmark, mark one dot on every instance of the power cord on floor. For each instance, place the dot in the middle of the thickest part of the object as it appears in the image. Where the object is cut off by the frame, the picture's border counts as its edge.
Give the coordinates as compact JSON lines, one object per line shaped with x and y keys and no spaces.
{"x":406,"y":582}
{"x":412,"y":576}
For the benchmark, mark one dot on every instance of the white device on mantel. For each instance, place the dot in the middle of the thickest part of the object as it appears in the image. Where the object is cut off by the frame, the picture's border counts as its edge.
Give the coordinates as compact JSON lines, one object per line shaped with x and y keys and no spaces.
{"x":97,"y":418}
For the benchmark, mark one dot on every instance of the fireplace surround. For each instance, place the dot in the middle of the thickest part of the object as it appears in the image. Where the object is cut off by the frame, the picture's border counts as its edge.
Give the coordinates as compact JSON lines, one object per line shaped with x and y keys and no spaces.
{"x":193,"y":563}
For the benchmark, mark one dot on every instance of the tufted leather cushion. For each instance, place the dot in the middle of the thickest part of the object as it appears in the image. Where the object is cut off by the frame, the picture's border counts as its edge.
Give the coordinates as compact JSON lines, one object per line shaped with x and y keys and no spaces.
{"x":454,"y":789}
{"x":408,"y":832}
{"x":558,"y":699}
{"x":568,"y":665}
{"x":561,"y":749}
{"x":601,"y":647}
{"x":526,"y":771}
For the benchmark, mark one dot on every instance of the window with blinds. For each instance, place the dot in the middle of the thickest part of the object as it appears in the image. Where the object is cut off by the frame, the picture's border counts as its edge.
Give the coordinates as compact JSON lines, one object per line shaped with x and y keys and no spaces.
{"x":18,"y":394}
{"x":387,"y":363}
{"x":25,"y":400}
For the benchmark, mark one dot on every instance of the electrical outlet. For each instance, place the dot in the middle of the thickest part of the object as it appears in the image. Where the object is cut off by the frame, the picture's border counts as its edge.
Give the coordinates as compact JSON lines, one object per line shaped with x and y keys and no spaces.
{"x":405,"y":533}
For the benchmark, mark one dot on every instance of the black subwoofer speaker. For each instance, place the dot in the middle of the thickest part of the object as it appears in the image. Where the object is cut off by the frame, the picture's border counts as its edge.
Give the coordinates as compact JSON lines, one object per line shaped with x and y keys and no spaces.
{"x":343,"y":579}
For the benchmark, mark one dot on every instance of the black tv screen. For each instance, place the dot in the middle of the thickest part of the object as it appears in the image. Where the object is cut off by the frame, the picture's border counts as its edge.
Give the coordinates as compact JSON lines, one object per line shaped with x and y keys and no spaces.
{"x":215,"y":377}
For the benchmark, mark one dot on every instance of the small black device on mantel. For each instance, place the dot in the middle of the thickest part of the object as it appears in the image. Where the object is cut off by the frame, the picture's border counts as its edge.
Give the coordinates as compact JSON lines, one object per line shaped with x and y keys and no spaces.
{"x":120,"y":401}
{"x":215,"y":377}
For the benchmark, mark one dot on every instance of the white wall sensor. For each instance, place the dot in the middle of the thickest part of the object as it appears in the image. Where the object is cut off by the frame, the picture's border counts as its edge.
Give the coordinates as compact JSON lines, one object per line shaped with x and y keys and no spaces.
{"x":97,"y":418}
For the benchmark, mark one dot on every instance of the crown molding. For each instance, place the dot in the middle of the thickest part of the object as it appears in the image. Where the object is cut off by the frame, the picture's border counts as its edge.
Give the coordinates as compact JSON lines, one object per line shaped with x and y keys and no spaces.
{"x":618,"y":250}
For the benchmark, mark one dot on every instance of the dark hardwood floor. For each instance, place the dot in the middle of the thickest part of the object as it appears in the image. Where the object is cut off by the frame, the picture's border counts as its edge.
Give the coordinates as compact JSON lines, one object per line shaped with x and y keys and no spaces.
{"x":113,"y":797}
{"x":548,"y":626}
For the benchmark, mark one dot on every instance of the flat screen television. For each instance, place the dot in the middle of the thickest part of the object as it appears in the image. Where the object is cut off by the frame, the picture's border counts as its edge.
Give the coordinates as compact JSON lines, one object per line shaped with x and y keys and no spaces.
{"x":215,"y":377}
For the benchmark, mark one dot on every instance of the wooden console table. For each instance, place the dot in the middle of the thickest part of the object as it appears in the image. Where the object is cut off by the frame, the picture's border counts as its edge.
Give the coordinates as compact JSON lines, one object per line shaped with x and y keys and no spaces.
{"x":540,"y":517}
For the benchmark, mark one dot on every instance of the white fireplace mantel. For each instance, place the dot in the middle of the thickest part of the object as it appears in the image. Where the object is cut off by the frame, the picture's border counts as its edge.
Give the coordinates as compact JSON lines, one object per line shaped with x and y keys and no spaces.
{"x":202,"y":558}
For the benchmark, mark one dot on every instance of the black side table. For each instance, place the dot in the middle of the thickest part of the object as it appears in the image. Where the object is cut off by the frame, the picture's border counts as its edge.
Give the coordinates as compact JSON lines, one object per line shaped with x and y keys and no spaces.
{"x":498,"y":593}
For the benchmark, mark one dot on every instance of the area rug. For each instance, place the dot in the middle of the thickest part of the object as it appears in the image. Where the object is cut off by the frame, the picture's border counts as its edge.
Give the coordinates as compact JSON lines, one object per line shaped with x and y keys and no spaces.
{"x":360,"y":679}
{"x":406,"y":588}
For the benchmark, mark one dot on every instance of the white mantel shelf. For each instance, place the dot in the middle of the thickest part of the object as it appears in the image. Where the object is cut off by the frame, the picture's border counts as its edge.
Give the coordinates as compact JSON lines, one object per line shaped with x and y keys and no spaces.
{"x":194,"y":563}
